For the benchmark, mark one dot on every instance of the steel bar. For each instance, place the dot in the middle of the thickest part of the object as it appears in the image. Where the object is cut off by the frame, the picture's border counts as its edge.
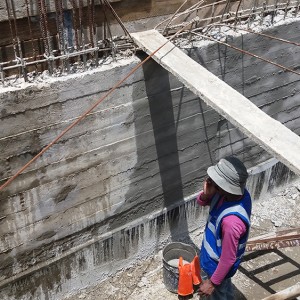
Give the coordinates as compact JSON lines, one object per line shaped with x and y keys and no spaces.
{"x":286,"y":8}
{"x":225,"y":10}
{"x":60,"y":24}
{"x":109,"y":30}
{"x":229,"y":18}
{"x":66,"y":56}
{"x":274,"y":10}
{"x":190,"y":10}
{"x":34,"y":51}
{"x":172,"y":17}
{"x":90,"y":23}
{"x":248,"y":53}
{"x":261,"y":34}
{"x":118,"y":19}
{"x":13,"y":34}
{"x":237,"y":11}
{"x":87,"y":112}
{"x":81,"y":41}
{"x":244,"y":13}
{"x":43,"y":28}
{"x":75,"y":22}
{"x":20,"y":51}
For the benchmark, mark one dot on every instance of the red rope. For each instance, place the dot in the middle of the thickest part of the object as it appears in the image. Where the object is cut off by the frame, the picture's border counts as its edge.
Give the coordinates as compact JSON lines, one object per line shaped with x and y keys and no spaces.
{"x":81,"y":117}
{"x":90,"y":109}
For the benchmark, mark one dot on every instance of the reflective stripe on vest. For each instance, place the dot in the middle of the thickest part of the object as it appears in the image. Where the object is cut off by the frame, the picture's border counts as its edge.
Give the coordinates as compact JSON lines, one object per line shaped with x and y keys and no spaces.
{"x":212,"y":239}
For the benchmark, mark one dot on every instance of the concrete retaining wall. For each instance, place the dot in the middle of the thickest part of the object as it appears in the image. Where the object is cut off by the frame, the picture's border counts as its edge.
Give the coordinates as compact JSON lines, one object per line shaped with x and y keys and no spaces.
{"x":145,"y":148}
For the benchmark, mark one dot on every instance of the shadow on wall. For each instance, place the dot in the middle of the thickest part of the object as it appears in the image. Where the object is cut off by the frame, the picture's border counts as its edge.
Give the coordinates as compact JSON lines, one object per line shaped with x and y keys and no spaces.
{"x":158,"y":167}
{"x":164,"y":131}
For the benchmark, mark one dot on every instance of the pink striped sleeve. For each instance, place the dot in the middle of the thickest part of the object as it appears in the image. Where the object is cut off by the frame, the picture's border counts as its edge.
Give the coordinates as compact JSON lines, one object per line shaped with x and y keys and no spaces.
{"x":233,"y":228}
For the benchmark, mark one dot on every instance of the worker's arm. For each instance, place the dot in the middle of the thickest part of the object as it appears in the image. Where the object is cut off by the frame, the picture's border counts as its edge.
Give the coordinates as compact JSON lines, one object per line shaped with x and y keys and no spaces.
{"x":233,"y":228}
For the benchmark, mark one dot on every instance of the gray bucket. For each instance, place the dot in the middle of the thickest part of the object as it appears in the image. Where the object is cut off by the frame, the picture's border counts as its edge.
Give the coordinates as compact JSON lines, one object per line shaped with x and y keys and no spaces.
{"x":171,"y":254}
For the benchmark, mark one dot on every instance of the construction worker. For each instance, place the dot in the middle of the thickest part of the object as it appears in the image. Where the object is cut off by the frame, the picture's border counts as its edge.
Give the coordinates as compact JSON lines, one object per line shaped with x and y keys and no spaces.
{"x":227,"y":228}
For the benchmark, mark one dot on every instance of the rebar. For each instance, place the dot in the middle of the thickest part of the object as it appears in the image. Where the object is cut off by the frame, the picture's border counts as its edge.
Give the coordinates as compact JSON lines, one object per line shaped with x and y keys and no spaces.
{"x":260,"y":33}
{"x":237,"y":11}
{"x":109,"y":30}
{"x":60,"y":25}
{"x":34,"y":51}
{"x":118,"y":19}
{"x":13,"y":34}
{"x":75,"y":22}
{"x":90,"y":23}
{"x":172,"y":17}
{"x":64,"y":56}
{"x":247,"y":52}
{"x":85,"y":38}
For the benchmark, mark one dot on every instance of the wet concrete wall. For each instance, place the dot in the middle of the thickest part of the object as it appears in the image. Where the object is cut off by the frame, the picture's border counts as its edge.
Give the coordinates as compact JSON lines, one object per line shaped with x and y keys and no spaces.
{"x":95,"y":202}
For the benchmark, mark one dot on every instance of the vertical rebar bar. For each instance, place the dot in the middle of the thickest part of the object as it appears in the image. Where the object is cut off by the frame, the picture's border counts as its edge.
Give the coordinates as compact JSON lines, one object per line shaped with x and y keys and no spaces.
{"x":297,"y":8}
{"x":13,"y":34}
{"x":113,"y":49}
{"x":81,"y":41}
{"x":34,"y":50}
{"x":225,"y":10}
{"x":286,"y":8}
{"x":237,"y":11}
{"x":75,"y":23}
{"x":20,"y":50}
{"x":274,"y":11}
{"x":90,"y":23}
{"x":93,"y":22}
{"x":253,"y":12}
{"x":60,"y":25}
{"x":82,"y":33}
{"x":42,"y":27}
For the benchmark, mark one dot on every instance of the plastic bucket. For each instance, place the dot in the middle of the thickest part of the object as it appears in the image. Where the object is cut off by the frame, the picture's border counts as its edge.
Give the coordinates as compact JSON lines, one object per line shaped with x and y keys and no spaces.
{"x":171,"y":254}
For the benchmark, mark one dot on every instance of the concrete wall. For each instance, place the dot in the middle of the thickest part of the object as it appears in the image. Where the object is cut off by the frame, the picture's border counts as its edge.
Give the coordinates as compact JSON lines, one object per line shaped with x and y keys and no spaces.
{"x":68,"y":220}
{"x":126,"y":9}
{"x":20,"y":8}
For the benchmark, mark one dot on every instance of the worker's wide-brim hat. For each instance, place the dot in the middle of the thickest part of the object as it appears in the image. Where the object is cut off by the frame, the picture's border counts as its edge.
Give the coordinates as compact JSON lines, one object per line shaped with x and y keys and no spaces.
{"x":230,"y":175}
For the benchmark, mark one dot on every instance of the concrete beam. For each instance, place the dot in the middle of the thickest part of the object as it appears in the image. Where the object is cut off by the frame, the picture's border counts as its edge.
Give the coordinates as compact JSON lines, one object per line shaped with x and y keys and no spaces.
{"x":270,"y":134}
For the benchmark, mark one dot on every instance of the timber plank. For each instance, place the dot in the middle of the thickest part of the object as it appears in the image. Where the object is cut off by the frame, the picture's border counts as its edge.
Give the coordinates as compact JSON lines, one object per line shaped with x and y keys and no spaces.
{"x":274,"y":137}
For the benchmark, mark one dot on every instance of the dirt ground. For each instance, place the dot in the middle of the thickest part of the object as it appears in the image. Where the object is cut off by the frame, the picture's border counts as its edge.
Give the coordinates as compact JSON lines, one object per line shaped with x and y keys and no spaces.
{"x":261,"y":274}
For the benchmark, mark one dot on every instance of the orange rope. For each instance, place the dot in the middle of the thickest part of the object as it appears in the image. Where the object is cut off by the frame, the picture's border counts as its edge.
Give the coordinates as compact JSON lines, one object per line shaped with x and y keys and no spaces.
{"x":86,"y":113}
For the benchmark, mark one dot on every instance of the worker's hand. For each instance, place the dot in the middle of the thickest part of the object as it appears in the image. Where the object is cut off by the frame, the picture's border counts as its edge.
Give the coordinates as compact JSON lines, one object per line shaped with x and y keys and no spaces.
{"x":206,"y":288}
{"x":209,"y":189}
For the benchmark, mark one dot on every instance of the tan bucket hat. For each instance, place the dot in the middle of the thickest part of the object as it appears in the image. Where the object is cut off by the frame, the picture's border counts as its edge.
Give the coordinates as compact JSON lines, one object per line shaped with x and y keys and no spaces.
{"x":230,"y":174}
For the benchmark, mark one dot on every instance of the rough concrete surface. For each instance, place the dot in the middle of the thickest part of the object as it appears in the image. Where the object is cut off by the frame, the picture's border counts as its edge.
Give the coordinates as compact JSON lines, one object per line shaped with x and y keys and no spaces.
{"x":279,"y":268}
{"x":229,"y":103}
{"x":85,"y":209}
